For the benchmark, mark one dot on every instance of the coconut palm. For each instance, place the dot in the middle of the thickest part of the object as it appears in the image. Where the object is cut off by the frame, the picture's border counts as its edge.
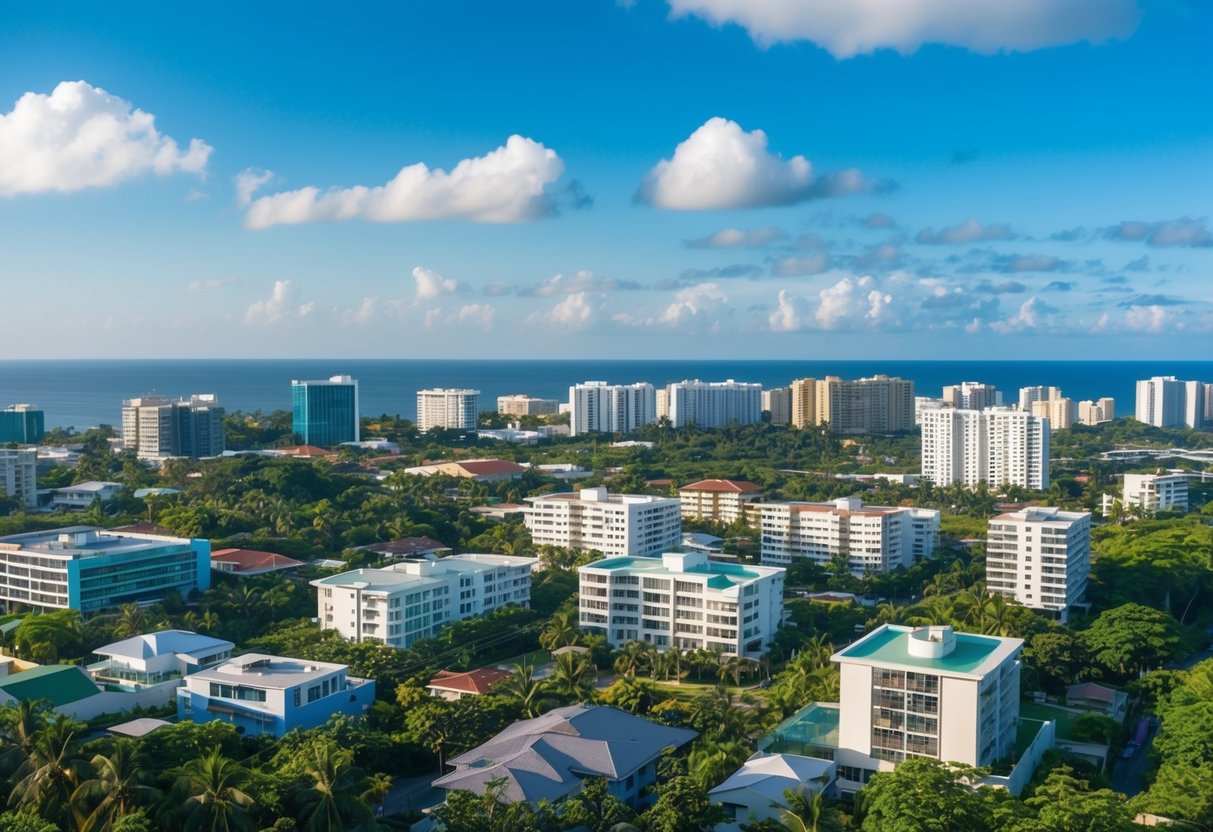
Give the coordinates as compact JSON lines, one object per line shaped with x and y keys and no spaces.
{"x":51,"y":772}
{"x":215,"y":799}
{"x":378,"y":787}
{"x":332,"y":802}
{"x":632,"y":658}
{"x":562,"y":630}
{"x":115,"y":790}
{"x":572,"y":677}
{"x":525,"y":689}
{"x":21,"y":725}
{"x":711,"y":762}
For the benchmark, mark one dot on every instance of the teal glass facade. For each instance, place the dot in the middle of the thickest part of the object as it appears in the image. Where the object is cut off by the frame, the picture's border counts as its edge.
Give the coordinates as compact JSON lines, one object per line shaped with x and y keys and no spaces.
{"x":324,"y":413}
{"x":25,"y":427}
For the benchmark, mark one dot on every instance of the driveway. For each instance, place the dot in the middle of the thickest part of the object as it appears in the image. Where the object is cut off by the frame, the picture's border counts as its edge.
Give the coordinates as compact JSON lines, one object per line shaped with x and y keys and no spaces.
{"x":1128,"y":775}
{"x":413,"y":795}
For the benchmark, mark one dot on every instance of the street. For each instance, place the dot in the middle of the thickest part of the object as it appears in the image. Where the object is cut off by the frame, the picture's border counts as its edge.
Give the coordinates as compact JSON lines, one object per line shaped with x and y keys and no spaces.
{"x":1127,"y":774}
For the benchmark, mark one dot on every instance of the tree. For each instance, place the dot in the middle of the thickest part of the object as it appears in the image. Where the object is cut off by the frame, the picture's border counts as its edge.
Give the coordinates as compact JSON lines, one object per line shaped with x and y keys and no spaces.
{"x":1180,"y":791}
{"x":332,"y":801}
{"x":116,"y":789}
{"x":595,"y":808}
{"x":682,"y":806}
{"x":635,"y":696}
{"x":562,"y":630}
{"x":24,"y":822}
{"x":522,"y":687}
{"x":51,"y":772}
{"x":1128,"y":639}
{"x":923,"y":795}
{"x":712,"y":762}
{"x":572,"y":677}
{"x":378,"y":787}
{"x":1065,"y":803}
{"x":1056,"y":658}
{"x":215,"y":800}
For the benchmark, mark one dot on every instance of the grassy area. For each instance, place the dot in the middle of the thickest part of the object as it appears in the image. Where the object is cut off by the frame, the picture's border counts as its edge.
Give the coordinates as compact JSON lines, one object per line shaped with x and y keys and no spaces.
{"x":538,"y":658}
{"x":1063,"y":718}
{"x":1025,"y":733}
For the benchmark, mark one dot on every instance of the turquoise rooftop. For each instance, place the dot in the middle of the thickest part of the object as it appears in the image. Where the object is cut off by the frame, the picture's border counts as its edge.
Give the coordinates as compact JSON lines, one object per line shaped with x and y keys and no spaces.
{"x":723,"y":574}
{"x":891,"y":646}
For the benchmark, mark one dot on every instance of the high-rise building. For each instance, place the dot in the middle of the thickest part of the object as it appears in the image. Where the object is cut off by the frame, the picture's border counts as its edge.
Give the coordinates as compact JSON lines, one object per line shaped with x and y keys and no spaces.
{"x":595,"y":406}
{"x":684,"y":601}
{"x":880,"y":404}
{"x":714,"y":404}
{"x":876,"y":539}
{"x":1040,"y":557}
{"x":971,"y":395}
{"x":158,"y":428}
{"x":778,"y":402}
{"x":1094,"y":413}
{"x":1029,"y":395}
{"x":1167,"y":402}
{"x":614,"y":524}
{"x":518,"y":404}
{"x":442,"y":407}
{"x":19,"y":475}
{"x":1156,"y":492}
{"x":997,"y":446}
{"x":804,"y":402}
{"x":325,"y":412}
{"x":1060,"y":412}
{"x":23,"y":424}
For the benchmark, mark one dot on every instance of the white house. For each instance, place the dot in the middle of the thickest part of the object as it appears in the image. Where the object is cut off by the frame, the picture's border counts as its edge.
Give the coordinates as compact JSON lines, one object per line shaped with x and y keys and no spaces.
{"x":81,"y":495}
{"x":156,"y":661}
{"x":756,"y":791}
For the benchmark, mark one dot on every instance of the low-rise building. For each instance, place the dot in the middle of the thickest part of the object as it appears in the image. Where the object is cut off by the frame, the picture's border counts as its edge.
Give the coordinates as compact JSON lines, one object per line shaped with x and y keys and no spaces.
{"x":408,"y":547}
{"x":876,"y":539}
{"x":1156,"y":492}
{"x":1040,"y":557}
{"x":84,"y":494}
{"x":683,"y":600}
{"x":593,"y":519}
{"x":518,"y":404}
{"x":719,"y":501}
{"x":263,"y":694}
{"x":481,"y":470}
{"x":414,"y":599}
{"x":454,"y":685}
{"x":19,"y":475}
{"x":243,"y":563}
{"x":156,"y":661}
{"x":757,"y":791}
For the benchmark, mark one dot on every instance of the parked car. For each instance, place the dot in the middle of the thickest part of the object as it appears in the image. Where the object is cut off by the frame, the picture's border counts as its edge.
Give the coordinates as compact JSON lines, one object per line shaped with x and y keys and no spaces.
{"x":1130,"y":750}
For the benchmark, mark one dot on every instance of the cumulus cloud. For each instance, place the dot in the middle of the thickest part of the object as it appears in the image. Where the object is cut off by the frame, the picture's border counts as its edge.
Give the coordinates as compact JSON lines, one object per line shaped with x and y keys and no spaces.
{"x":479,"y":314}
{"x":796,"y":266}
{"x":721,"y":166}
{"x":281,"y":304}
{"x":1184,"y":231}
{"x":789,"y":314}
{"x":513,"y":183}
{"x":431,"y":285}
{"x":1146,"y":319}
{"x":737,"y":238}
{"x":969,"y":231}
{"x":691,"y":305}
{"x":578,"y":282}
{"x":248,"y":182}
{"x":1033,"y":314}
{"x":80,"y":136}
{"x":576,"y":311}
{"x":857,"y":28}
{"x":850,"y":301}
{"x":364,"y":314}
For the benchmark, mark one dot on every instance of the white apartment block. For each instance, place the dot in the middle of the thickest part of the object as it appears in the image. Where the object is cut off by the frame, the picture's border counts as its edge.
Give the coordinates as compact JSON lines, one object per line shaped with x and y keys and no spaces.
{"x":1095,"y":413}
{"x":778,"y":402}
{"x":713,"y":404}
{"x":442,"y":407}
{"x":1060,"y":412}
{"x":157,"y":428}
{"x":684,"y":601}
{"x":19,"y":475}
{"x":996,"y":446}
{"x":1040,"y":557}
{"x":1156,"y":492}
{"x":411,"y":600}
{"x":595,"y":406}
{"x":971,"y":395}
{"x":615,"y":524}
{"x":1029,"y":395}
{"x":520,"y":405}
{"x":1167,"y":402}
{"x":924,"y":692}
{"x":876,"y":539}
{"x":719,"y":501}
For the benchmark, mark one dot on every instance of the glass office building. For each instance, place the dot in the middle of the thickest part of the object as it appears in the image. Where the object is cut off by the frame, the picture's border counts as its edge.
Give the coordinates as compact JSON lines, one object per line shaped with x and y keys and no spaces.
{"x":325,"y":412}
{"x":23,"y":424}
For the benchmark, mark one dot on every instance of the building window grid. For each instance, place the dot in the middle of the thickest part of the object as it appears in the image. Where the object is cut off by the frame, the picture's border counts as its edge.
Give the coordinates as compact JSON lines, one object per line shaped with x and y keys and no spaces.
{"x":905,"y":708}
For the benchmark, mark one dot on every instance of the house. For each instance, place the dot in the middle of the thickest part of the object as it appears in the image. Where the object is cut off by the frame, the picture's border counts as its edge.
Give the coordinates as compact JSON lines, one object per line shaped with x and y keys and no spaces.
{"x":68,"y":690}
{"x":245,"y":562}
{"x":408,"y":547}
{"x":755,"y":792}
{"x":480,"y":470}
{"x":548,"y":757}
{"x":450,"y":684}
{"x":81,"y":495}
{"x":1091,"y":696}
{"x":156,"y":662}
{"x":262,"y":694}
{"x":308,"y":452}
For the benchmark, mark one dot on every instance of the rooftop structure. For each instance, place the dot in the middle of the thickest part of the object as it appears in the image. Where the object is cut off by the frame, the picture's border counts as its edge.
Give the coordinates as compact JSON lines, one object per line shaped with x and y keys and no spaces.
{"x":757,"y":791}
{"x":593,"y":519}
{"x":56,"y":684}
{"x":450,"y":684}
{"x":481,"y":470}
{"x":156,"y":660}
{"x":84,"y":494}
{"x":408,"y":547}
{"x":971,"y":395}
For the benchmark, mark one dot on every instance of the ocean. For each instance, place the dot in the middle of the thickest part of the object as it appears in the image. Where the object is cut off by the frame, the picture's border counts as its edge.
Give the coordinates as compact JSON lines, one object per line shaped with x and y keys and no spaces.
{"x":83,"y":393}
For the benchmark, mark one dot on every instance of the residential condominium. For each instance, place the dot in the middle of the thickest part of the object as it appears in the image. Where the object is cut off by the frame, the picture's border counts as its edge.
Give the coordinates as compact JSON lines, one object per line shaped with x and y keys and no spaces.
{"x":441,"y":407}
{"x":23,"y":424}
{"x":1095,"y":413}
{"x":718,"y":501}
{"x":595,"y":406}
{"x":1155,"y":492}
{"x":615,"y":524}
{"x":411,"y":600}
{"x":325,"y":412}
{"x":1040,"y":557}
{"x":1167,"y":402}
{"x":997,"y":446}
{"x":875,"y":539}
{"x":713,"y":404}
{"x":90,"y":569}
{"x":19,"y":475}
{"x":880,"y":404}
{"x":520,"y":405}
{"x":971,"y":395}
{"x":1061,"y":412}
{"x":1029,"y":395}
{"x":158,"y":428}
{"x":778,"y":402}
{"x":682,"y":600}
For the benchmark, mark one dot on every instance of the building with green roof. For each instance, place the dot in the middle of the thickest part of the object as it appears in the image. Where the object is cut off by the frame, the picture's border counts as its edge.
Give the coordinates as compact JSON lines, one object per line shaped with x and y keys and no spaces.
{"x":56,"y":684}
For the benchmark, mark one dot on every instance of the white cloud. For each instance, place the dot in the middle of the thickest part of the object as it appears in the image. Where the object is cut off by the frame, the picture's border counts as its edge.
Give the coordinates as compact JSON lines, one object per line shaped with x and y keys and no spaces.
{"x":793,"y":266}
{"x":80,"y":137}
{"x":281,"y":304}
{"x":737,"y":238}
{"x":1031,"y":315}
{"x":1146,"y":319}
{"x":576,"y":310}
{"x":479,"y":314}
{"x":580,"y":281}
{"x":857,"y":27}
{"x":789,"y":313}
{"x":430,"y":284}
{"x":364,"y":314}
{"x":692,"y":303}
{"x":721,"y":166}
{"x":509,"y":184}
{"x":248,"y":182}
{"x":213,"y":283}
{"x":969,"y":231}
{"x":1184,"y":231}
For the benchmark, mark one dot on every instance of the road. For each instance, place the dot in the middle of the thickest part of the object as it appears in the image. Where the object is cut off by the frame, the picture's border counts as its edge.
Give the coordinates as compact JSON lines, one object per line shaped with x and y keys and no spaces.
{"x":1127,"y":776}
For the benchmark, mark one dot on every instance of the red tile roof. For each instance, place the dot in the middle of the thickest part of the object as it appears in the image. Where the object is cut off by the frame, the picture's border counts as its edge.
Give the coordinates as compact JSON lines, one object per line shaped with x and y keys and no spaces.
{"x":474,"y":681}
{"x":490,"y":467}
{"x":306,"y":451}
{"x":251,"y":561}
{"x":724,"y":486}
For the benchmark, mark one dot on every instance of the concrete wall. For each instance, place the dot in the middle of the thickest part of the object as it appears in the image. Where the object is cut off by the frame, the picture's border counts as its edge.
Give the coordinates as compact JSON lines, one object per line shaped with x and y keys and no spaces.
{"x":958,"y":720}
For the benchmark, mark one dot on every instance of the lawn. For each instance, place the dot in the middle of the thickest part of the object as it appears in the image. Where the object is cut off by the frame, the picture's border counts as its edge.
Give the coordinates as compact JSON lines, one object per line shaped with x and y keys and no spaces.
{"x":1063,"y":718}
{"x":537,"y":658}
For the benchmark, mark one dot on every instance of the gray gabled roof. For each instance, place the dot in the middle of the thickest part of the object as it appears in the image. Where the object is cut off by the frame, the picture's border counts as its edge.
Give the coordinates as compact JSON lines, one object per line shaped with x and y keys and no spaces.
{"x":548,"y":757}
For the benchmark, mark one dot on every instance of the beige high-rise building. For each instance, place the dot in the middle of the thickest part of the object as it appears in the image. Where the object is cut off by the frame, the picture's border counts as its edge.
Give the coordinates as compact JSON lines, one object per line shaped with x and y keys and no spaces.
{"x":971,"y":395}
{"x":804,"y":402}
{"x":778,"y":402}
{"x":880,"y":404}
{"x":522,"y":405}
{"x":1060,"y":412}
{"x":1093,"y":413}
{"x":1029,"y":395}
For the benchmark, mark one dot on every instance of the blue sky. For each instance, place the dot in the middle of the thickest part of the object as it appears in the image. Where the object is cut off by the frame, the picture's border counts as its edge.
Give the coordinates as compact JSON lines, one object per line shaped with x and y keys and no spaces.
{"x":932,"y":179}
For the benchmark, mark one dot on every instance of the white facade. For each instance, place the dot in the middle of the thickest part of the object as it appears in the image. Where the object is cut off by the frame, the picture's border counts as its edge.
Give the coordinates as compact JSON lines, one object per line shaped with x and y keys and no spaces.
{"x":157,"y":428}
{"x":1040,"y":557}
{"x":877,"y":539}
{"x":1167,"y":402}
{"x":442,"y":407}
{"x":156,"y":660}
{"x":19,"y":475}
{"x":412,"y":600}
{"x":615,"y":524}
{"x":518,"y":404}
{"x":1094,"y":413}
{"x":83,"y":494}
{"x":713,"y":404}
{"x":997,"y":446}
{"x":778,"y":402}
{"x":971,"y":395}
{"x":684,"y":601}
{"x":1030,"y":395}
{"x":1156,"y":492}
{"x":595,"y":406}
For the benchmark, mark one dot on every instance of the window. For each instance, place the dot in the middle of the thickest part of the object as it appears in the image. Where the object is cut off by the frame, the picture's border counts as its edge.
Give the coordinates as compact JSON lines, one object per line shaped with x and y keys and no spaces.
{"x":297,"y":697}
{"x":313,"y":693}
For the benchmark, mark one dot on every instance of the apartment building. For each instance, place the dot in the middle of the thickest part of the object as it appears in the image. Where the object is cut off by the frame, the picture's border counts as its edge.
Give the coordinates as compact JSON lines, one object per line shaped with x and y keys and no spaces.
{"x":803,"y":393}
{"x":880,"y":404}
{"x":451,"y":408}
{"x":19,"y":475}
{"x":713,"y":404}
{"x":778,"y":402}
{"x":997,"y":446}
{"x":23,"y":424}
{"x":682,"y":600}
{"x":159,"y":428}
{"x":324,"y":412}
{"x":1040,"y":557}
{"x":971,"y":395}
{"x":593,"y":519}
{"x":1095,"y":413}
{"x":518,"y":404}
{"x":1167,"y":402}
{"x":90,"y":569}
{"x":876,"y":539}
{"x":719,"y":501}
{"x":1155,"y":492}
{"x":411,"y":600}
{"x":1030,"y":395}
{"x":1061,"y":412}
{"x":595,"y":406}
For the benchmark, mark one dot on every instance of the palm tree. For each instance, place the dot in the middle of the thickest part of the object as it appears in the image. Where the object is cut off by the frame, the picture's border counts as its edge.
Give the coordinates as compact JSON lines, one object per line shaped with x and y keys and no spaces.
{"x":215,"y":802}
{"x":525,"y":689}
{"x":115,"y":790}
{"x":571,"y":677}
{"x":561,"y":631}
{"x":378,"y":787}
{"x":804,"y":810}
{"x":631,"y":658}
{"x":21,"y":725}
{"x":50,"y":773}
{"x":132,"y":621}
{"x":996,"y":616}
{"x":711,"y":762}
{"x":332,"y":802}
